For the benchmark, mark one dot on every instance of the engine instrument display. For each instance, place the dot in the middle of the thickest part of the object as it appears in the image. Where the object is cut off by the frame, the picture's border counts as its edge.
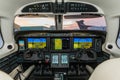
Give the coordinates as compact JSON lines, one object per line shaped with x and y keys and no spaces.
{"x":55,"y":59}
{"x":64,"y":59}
{"x":60,"y":43}
{"x":82,"y":43}
{"x":37,"y":43}
{"x":21,"y":44}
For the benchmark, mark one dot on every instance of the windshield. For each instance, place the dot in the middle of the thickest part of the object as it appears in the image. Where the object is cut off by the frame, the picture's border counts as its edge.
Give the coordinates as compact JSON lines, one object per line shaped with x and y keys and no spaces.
{"x":78,"y":22}
{"x":69,"y":22}
{"x":34,"y":22}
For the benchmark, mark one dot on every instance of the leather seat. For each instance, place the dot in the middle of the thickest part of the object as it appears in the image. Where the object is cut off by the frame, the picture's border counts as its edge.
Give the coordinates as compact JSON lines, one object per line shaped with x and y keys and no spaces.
{"x":4,"y":76}
{"x":108,"y":70}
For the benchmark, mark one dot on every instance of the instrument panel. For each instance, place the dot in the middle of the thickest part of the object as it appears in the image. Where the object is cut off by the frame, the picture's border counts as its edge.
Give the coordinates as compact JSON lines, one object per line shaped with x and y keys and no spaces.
{"x":65,"y":52}
{"x":59,"y":41}
{"x":60,"y":48}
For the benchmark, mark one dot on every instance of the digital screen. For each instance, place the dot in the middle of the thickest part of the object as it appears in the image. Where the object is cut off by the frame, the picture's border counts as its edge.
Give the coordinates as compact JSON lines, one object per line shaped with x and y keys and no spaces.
{"x":83,"y":43}
{"x":64,"y":59}
{"x":37,"y":43}
{"x":55,"y":59}
{"x":21,"y":44}
{"x":60,"y":43}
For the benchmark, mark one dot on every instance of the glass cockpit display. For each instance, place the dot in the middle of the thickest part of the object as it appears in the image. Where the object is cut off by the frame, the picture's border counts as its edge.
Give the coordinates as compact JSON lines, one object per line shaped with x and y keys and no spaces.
{"x":21,"y":44}
{"x":37,"y":43}
{"x":55,"y":59}
{"x":82,"y":43}
{"x":55,"y":43}
{"x":64,"y":59}
{"x":60,"y":43}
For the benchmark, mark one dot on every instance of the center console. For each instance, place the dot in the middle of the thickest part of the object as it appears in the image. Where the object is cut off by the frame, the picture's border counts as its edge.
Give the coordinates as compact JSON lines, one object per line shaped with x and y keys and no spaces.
{"x":60,"y":55}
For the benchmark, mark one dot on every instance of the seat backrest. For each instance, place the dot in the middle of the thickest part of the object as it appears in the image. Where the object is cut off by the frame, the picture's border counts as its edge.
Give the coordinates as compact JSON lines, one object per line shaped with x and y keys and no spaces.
{"x":108,"y":70}
{"x":4,"y":76}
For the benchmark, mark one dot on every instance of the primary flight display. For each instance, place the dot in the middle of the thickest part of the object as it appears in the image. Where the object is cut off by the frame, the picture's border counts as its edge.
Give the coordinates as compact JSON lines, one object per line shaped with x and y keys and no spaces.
{"x":37,"y":43}
{"x":83,"y":43}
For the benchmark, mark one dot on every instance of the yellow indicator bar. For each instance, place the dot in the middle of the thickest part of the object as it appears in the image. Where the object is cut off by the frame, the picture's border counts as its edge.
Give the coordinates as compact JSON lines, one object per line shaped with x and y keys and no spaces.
{"x":58,"y":44}
{"x":37,"y":45}
{"x":85,"y":45}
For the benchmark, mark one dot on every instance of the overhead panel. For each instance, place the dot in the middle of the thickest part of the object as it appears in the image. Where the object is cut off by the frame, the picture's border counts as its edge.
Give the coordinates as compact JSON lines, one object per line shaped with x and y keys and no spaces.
{"x":59,"y":7}
{"x":38,"y":7}
{"x":80,"y":7}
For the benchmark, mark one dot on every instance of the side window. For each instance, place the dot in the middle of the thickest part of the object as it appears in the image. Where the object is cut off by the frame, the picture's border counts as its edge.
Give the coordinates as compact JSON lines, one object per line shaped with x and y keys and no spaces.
{"x":118,"y":38}
{"x":118,"y":41}
{"x":1,"y":40}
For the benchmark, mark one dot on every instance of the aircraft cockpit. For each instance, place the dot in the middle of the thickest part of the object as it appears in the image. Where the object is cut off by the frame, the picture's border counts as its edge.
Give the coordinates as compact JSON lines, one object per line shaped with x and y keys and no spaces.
{"x":57,"y":40}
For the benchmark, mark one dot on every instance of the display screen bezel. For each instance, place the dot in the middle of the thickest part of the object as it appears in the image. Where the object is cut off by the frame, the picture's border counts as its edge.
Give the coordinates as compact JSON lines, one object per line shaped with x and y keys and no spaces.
{"x":66,"y":58}
{"x":55,"y":56}
{"x":83,"y":38}
{"x":21,"y":46}
{"x":51,"y":44}
{"x":37,"y":38}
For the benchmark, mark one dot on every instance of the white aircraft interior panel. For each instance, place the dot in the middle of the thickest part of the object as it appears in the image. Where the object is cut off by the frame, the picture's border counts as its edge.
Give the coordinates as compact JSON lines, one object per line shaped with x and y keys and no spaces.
{"x":63,"y":6}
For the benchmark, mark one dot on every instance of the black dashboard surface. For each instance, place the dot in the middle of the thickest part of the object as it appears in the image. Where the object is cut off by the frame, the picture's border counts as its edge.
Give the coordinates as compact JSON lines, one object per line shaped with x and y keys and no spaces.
{"x":63,"y":53}
{"x":60,"y":40}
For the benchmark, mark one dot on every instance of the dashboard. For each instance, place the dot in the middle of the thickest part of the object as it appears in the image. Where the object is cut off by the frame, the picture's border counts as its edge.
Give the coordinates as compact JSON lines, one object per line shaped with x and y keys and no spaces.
{"x":60,"y":46}
{"x":66,"y":43}
{"x":56,"y":43}
{"x":60,"y":52}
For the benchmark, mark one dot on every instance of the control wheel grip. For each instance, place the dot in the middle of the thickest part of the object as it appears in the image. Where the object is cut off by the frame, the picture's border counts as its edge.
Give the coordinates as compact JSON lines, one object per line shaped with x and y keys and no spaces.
{"x":86,"y":55}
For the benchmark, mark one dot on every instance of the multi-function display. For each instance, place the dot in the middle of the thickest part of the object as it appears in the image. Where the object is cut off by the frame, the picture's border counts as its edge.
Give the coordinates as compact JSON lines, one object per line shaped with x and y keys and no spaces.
{"x":21,"y":44}
{"x":36,"y":43}
{"x":56,"y":43}
{"x":84,"y":43}
{"x":60,"y":43}
{"x":55,"y":59}
{"x":64,"y":59}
